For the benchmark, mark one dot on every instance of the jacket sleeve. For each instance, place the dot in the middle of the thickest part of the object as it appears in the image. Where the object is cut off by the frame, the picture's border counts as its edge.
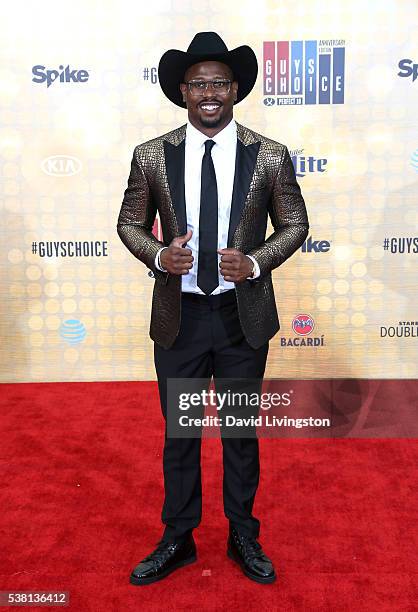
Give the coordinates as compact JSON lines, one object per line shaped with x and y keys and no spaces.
{"x":136,"y":218}
{"x":288,"y":216}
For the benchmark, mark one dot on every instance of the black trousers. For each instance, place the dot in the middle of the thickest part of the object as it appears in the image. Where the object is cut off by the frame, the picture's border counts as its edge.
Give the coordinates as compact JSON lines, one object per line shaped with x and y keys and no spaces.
{"x":210,"y":343}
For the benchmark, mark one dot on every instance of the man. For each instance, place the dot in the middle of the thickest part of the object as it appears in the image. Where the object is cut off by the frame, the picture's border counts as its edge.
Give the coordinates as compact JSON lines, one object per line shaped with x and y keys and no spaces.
{"x":213,"y":182}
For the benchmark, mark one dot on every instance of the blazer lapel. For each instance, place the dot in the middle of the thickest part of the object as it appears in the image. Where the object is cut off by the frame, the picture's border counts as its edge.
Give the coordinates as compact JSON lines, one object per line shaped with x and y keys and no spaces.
{"x":174,"y":163}
{"x":248,"y":146}
{"x":246,"y":157}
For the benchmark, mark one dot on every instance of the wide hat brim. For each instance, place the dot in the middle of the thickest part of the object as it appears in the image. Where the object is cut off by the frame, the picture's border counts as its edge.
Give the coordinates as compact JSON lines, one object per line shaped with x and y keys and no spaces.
{"x":174,"y":63}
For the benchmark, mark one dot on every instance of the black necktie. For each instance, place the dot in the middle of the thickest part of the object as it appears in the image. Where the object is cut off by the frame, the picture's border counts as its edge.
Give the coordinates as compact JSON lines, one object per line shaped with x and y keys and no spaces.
{"x":207,"y":272}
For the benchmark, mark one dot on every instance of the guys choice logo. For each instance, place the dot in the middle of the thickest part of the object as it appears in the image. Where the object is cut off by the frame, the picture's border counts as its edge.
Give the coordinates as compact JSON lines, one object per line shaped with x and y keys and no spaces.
{"x":303,"y":325}
{"x":299,"y":72}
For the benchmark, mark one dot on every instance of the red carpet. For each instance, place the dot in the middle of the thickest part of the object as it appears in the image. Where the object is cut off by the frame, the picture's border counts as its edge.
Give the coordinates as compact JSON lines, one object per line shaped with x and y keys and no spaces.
{"x":81,"y":497}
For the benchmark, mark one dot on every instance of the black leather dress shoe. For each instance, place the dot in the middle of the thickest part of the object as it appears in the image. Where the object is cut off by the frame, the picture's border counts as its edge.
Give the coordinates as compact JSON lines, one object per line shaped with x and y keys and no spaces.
{"x":247,"y":552}
{"x":167,"y":557}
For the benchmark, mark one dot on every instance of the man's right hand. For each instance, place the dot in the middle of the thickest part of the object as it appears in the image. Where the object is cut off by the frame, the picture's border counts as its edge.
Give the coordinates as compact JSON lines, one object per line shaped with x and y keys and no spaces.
{"x":177,"y":259}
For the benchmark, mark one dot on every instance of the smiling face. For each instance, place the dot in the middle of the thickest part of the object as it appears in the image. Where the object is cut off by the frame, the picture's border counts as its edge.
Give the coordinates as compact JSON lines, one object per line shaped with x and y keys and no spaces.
{"x":211,"y":110}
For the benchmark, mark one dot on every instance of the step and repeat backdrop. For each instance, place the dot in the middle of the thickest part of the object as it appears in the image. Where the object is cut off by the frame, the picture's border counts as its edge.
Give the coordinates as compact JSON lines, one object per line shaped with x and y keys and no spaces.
{"x":79,"y":90}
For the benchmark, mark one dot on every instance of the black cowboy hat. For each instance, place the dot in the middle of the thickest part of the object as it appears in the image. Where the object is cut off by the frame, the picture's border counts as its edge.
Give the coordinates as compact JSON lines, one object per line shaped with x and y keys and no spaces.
{"x":207,"y":46}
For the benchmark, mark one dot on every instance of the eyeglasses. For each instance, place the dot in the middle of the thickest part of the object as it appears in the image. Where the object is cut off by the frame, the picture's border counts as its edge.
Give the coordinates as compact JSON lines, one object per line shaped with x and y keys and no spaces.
{"x":197,"y":88}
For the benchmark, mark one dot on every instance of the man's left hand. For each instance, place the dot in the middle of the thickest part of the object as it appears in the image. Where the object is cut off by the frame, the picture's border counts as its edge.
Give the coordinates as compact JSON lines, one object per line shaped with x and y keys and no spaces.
{"x":235,"y":266}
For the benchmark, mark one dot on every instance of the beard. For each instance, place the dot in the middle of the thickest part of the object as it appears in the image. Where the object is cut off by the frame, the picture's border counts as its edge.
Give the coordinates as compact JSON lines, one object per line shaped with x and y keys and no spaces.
{"x":212,"y":122}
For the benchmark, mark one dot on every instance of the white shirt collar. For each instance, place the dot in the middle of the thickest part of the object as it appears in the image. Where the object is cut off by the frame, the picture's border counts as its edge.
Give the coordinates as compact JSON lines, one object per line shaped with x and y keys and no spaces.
{"x":225,"y":138}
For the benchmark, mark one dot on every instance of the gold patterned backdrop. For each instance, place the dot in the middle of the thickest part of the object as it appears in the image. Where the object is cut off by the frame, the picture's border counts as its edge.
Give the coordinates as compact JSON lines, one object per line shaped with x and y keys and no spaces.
{"x":78,"y":91}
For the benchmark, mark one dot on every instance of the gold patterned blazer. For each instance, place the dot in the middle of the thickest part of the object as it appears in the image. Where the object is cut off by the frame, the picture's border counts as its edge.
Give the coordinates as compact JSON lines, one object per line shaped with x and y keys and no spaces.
{"x":264,"y":184}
